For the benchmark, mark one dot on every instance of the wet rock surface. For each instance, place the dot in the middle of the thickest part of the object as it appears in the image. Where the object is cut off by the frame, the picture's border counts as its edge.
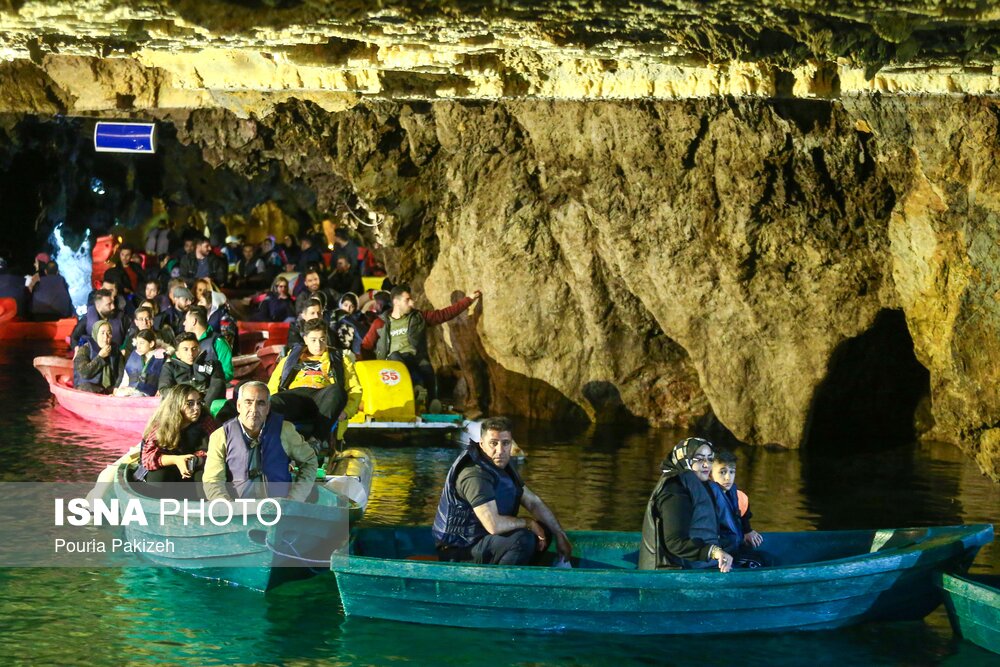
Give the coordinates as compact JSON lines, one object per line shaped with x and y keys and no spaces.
{"x":664,"y":260}
{"x":248,"y":57}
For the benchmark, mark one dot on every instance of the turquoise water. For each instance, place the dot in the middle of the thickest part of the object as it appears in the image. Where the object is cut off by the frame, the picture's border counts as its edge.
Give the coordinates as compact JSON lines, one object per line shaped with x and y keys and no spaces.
{"x":596,"y":478}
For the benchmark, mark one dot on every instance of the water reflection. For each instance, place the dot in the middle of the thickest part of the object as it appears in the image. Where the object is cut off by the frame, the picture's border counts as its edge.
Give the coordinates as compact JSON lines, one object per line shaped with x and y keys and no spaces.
{"x":158,"y":616}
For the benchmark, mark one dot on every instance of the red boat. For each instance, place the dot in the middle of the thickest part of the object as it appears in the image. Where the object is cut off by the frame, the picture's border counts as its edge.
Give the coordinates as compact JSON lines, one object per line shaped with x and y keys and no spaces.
{"x":8,"y":309}
{"x":276,"y":332}
{"x":18,"y":330}
{"x":122,"y":414}
{"x":100,"y":256}
{"x":269,"y":359}
{"x":127,"y":414}
{"x":251,"y":341}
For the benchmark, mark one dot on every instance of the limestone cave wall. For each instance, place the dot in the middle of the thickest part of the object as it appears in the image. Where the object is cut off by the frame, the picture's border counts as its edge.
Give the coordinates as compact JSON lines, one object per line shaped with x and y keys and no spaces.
{"x":665,"y":260}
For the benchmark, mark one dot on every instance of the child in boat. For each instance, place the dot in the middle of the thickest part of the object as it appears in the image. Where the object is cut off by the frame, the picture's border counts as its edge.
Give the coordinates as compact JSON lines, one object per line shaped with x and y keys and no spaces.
{"x":142,"y":367}
{"x":733,"y":511}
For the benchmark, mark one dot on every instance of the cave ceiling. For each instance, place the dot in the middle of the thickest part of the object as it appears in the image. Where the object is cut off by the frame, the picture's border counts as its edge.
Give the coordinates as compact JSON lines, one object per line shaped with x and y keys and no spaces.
{"x":95,"y":56}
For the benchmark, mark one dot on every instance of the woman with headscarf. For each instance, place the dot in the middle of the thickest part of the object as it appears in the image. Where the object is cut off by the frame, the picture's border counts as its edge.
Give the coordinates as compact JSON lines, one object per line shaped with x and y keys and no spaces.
{"x":97,"y":363}
{"x":680,"y":528}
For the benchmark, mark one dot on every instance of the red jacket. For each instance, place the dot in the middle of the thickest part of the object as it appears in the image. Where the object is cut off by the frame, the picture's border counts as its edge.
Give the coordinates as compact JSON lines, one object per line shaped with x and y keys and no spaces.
{"x":431,"y":317}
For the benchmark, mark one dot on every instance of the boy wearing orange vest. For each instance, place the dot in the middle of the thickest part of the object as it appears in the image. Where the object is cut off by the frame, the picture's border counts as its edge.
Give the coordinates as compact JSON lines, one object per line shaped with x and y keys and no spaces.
{"x":724,"y":474}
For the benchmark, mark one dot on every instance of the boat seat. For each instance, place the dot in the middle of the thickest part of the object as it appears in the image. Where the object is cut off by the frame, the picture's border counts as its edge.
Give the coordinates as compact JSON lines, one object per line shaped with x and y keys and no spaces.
{"x":896,"y":539}
{"x":425,"y":557}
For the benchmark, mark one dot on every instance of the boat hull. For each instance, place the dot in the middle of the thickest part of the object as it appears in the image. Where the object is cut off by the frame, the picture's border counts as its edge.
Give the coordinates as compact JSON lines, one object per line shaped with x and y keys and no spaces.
{"x":277,"y":332}
{"x":973,"y":605}
{"x":606,"y":594}
{"x":253,"y":555}
{"x":128,"y":415}
{"x":15,"y":330}
{"x":53,"y":368}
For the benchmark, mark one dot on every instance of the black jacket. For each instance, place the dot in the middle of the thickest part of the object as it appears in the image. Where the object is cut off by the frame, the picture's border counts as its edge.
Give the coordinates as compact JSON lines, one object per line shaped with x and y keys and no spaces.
{"x":308,"y":257}
{"x":217,"y":268}
{"x":51,"y":299}
{"x":345,"y":282}
{"x":205,"y":376}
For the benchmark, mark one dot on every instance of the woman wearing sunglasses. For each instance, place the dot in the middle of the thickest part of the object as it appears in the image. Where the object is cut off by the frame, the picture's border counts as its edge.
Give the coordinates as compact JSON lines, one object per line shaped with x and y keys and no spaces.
{"x":681,"y":529}
{"x":175,"y":441}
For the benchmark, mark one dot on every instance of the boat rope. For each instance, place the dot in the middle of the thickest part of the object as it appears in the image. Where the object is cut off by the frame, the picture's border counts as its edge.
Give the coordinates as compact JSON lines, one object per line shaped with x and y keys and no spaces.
{"x":295,"y":556}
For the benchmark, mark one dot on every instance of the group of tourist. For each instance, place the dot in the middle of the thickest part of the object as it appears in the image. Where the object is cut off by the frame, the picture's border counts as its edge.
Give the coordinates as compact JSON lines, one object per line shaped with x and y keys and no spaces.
{"x":131,"y":345}
{"x":696,"y":517}
{"x":136,"y":340}
{"x":147,"y":334}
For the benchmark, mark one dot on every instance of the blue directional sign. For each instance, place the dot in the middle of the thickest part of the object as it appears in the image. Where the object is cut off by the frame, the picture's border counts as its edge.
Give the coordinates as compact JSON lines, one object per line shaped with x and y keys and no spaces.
{"x":125,"y":137}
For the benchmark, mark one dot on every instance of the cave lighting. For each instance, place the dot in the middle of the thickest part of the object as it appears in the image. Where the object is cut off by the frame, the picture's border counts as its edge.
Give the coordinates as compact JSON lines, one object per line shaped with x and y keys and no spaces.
{"x":75,"y":266}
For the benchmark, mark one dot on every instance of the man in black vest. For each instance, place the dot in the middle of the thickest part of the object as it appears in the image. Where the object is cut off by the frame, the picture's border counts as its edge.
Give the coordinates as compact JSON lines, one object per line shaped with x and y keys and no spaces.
{"x":477,"y":515}
{"x":103,"y":308}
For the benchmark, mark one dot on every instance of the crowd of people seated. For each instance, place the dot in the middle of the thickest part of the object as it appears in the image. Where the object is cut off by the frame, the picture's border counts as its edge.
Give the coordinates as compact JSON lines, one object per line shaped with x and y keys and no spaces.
{"x":160,"y":328}
{"x":176,"y":286}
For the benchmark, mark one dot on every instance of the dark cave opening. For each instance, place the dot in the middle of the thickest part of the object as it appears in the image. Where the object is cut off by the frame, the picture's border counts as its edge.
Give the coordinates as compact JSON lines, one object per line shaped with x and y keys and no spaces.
{"x":873,"y":387}
{"x":52,"y":175}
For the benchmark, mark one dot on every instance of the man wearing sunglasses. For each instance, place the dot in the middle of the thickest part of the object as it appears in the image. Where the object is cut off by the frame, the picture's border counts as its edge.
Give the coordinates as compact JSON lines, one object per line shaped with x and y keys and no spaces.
{"x":253,"y":455}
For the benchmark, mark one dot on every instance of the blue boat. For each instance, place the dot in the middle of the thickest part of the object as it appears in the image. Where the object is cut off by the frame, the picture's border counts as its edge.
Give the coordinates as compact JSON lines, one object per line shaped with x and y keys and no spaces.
{"x":825,"y":579}
{"x":254,"y":554}
{"x":973,"y":604}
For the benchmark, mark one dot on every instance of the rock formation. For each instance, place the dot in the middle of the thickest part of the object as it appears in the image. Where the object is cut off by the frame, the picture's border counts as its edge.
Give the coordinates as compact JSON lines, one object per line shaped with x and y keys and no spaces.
{"x":754,"y":214}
